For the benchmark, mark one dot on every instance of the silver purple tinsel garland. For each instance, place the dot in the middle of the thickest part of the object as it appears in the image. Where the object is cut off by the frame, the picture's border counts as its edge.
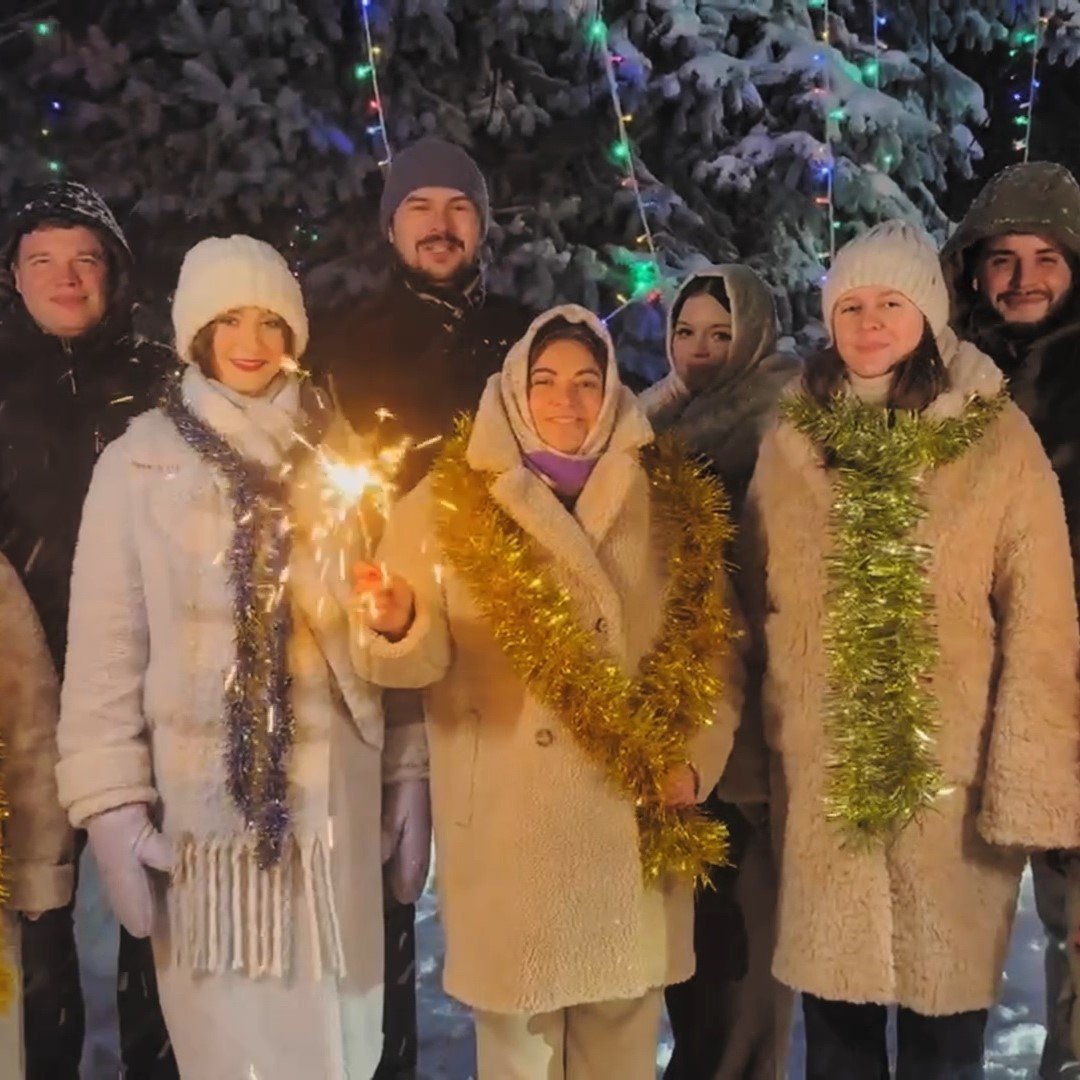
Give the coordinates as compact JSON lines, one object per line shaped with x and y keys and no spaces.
{"x":259,"y":710}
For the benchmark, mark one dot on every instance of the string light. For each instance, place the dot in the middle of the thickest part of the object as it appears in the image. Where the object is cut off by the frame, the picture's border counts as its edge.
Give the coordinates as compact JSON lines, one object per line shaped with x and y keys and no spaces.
{"x":1023,"y":119}
{"x":370,"y":70}
{"x":645,"y":273}
{"x":872,"y":68}
{"x":825,"y":160}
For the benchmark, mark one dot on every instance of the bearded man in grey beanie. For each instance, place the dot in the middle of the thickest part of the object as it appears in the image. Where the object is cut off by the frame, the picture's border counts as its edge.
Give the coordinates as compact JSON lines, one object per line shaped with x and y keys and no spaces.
{"x":422,"y":350}
{"x":424,"y":347}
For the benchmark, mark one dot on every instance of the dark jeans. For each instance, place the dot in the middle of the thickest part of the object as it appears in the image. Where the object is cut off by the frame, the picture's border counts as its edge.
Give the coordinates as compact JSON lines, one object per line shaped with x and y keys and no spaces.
{"x":695,"y":1008}
{"x":145,"y":1048}
{"x":54,"y":1019}
{"x":847,"y":1042}
{"x":399,"y":1056}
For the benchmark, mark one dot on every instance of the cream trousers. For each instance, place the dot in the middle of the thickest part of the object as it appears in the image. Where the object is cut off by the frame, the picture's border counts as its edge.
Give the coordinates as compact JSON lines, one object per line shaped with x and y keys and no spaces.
{"x":583,"y":1042}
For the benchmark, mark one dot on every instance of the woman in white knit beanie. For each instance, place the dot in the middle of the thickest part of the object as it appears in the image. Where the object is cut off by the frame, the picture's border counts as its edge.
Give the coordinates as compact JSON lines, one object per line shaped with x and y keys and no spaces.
{"x":920,"y":699}
{"x":215,"y":741}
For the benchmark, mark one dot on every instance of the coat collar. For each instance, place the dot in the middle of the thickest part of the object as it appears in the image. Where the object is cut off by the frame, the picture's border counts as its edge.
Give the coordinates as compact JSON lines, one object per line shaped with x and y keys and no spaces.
{"x":972,"y":374}
{"x":263,"y":429}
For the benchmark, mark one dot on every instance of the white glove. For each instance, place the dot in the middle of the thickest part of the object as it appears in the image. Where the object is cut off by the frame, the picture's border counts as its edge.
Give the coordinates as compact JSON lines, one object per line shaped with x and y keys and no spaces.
{"x":125,"y":845}
{"x":406,"y":838}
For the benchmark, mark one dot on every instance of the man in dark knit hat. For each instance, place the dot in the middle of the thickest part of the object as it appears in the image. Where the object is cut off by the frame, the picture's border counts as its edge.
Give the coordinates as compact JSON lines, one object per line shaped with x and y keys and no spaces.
{"x":422,"y":350}
{"x":72,"y":373}
{"x":1012,"y":269}
{"x":424,"y":347}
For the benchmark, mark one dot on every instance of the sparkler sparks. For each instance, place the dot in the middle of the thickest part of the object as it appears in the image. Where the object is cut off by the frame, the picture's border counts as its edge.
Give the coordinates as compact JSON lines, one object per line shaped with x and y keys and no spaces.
{"x":367,"y":477}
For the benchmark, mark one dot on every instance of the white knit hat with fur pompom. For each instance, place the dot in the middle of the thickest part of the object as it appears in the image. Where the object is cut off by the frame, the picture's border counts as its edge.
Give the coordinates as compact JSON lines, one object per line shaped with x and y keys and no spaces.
{"x":895,"y":255}
{"x":221,"y":274}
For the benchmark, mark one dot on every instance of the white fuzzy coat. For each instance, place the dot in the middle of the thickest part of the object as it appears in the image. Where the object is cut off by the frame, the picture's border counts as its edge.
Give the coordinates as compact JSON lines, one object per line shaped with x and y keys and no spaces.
{"x":923,"y":920}
{"x":539,"y":877}
{"x":280,"y":970}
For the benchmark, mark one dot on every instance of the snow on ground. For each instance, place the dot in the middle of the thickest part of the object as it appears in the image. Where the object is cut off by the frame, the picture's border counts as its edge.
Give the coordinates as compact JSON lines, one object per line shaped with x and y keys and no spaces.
{"x":1014,"y":1037}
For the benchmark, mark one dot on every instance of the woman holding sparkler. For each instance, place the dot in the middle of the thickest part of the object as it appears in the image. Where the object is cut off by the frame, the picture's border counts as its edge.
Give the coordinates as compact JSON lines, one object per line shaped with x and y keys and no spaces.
{"x":209,"y":694}
{"x":557,"y":581}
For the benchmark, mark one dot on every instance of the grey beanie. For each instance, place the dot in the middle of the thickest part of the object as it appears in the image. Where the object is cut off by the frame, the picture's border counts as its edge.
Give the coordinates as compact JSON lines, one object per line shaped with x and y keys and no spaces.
{"x":432,"y":162}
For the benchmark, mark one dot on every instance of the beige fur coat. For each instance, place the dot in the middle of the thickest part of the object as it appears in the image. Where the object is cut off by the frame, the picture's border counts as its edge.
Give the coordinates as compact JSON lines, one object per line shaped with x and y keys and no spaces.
{"x":38,"y":841}
{"x":539,"y":877}
{"x":924,"y":920}
{"x":296,"y":949}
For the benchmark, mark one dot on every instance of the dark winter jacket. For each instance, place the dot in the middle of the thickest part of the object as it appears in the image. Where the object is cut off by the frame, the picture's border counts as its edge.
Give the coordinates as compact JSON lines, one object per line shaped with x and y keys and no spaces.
{"x":1042,"y":362}
{"x":424,"y":355}
{"x":61,"y":402}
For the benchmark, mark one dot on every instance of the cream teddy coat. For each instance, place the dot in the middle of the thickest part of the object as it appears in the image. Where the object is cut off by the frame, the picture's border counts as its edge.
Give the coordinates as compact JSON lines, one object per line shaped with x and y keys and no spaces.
{"x":924,"y":920}
{"x":38,"y":842}
{"x":540,"y":883}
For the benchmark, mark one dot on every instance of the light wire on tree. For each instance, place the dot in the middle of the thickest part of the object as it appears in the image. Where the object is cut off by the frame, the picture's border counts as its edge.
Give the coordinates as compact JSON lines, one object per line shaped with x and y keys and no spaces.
{"x":1022,"y":39}
{"x":370,"y":70}
{"x":645,"y":275}
{"x":825,"y":164}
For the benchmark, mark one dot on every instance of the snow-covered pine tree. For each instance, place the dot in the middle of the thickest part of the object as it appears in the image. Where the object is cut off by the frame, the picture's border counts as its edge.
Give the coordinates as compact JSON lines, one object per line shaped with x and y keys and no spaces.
{"x":195,"y":116}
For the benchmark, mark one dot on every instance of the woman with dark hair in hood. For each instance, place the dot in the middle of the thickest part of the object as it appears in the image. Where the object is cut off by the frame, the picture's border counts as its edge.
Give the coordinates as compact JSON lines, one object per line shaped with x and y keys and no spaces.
{"x":730,"y":1020}
{"x":726,"y":373}
{"x":559,"y":597}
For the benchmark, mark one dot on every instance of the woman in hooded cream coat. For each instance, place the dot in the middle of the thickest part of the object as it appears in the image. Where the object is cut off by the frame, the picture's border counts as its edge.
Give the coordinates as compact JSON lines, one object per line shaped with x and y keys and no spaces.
{"x":905,"y":819}
{"x":267,"y":933}
{"x":554,"y":936}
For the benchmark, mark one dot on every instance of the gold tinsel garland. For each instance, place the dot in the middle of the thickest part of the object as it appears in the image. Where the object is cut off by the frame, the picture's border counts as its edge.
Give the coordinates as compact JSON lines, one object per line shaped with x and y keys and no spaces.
{"x":880,"y":637}
{"x":635,"y":728}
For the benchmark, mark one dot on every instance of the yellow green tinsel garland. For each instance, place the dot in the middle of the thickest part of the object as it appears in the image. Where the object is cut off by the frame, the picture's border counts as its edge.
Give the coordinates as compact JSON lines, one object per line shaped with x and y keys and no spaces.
{"x":880,"y":637}
{"x":635,"y":728}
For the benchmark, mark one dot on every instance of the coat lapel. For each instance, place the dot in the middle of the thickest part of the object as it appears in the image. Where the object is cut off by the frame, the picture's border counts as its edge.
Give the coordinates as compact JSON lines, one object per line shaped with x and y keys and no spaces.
{"x":801,"y":456}
{"x":604,"y":497}
{"x":531,"y":503}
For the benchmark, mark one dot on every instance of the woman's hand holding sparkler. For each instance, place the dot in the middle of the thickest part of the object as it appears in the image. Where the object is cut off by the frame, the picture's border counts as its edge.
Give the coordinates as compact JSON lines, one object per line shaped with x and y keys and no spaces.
{"x":386,"y":601}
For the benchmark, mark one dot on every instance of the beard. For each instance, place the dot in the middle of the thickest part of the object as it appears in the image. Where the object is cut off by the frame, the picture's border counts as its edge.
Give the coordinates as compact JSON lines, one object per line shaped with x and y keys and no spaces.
{"x":1056,"y":311}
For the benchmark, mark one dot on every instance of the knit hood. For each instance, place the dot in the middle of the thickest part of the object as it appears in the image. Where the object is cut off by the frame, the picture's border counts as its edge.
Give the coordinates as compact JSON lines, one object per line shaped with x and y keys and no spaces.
{"x":724,"y":422}
{"x":1037,"y":197}
{"x":76,"y":204}
{"x":505,"y":431}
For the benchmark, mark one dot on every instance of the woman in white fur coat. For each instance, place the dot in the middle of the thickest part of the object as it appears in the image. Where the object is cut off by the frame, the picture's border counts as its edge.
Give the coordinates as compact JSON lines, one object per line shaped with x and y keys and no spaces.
{"x":556,"y":558}
{"x":209,"y":694}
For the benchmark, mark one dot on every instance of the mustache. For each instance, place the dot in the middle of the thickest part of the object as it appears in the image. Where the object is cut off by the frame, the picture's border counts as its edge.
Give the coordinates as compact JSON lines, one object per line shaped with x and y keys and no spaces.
{"x":1008,"y":294}
{"x":448,"y":238}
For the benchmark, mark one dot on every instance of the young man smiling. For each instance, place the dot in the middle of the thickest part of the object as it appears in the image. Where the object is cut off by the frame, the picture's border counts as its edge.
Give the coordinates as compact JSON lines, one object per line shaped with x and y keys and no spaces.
{"x":72,"y":373}
{"x":1011,"y":267}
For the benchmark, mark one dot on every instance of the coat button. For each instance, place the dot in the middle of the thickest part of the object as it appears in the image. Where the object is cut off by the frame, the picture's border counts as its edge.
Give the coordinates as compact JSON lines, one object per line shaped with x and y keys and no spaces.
{"x":601,"y":625}
{"x":545,"y":737}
